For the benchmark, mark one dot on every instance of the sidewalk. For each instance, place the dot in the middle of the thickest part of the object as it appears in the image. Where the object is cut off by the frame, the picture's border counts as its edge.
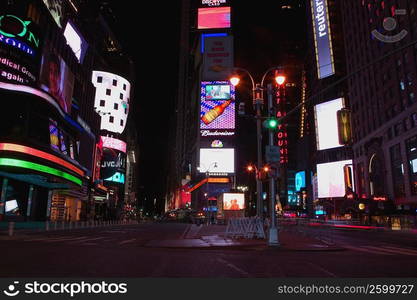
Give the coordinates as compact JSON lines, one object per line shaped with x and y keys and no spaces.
{"x":213,"y":236}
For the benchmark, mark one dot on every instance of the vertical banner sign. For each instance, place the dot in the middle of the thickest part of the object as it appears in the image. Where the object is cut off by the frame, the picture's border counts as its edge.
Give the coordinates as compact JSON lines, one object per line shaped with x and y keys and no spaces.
{"x":322,"y":38}
{"x":282,"y":130}
{"x":218,"y":57}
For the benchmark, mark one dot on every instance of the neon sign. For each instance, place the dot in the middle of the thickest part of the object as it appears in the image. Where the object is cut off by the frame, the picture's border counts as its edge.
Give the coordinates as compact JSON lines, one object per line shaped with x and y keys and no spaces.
{"x":13,"y":28}
{"x":41,"y":154}
{"x":10,"y":162}
{"x":322,"y":38}
{"x":282,"y":128}
{"x":30,"y":37}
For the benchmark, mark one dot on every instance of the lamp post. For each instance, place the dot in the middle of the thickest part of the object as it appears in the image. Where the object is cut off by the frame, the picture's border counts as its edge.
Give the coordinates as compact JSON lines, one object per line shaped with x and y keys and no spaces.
{"x":258,"y":101}
{"x":206,"y":194}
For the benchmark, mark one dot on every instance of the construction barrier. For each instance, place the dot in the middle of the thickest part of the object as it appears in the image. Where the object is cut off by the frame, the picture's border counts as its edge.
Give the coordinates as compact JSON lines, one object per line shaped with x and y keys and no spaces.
{"x":247,"y":228}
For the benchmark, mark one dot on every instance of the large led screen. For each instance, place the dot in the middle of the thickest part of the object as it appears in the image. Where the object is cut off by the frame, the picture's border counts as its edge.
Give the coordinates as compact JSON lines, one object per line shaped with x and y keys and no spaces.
{"x":300,"y":180}
{"x":57,"y":79}
{"x":331,"y":179}
{"x":233,"y":201}
{"x":322,"y":38}
{"x":111,"y":100}
{"x":213,"y":17}
{"x":217,"y":160}
{"x":76,"y":41}
{"x":57,"y":10}
{"x":326,"y":124}
{"x":217,"y":114}
{"x":109,"y":142}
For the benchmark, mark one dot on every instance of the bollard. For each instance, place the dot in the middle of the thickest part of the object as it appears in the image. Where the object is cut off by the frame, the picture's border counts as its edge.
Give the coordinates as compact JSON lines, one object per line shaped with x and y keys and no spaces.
{"x":47,"y":225}
{"x":70,"y":225}
{"x":55,"y":225}
{"x":11,"y":228}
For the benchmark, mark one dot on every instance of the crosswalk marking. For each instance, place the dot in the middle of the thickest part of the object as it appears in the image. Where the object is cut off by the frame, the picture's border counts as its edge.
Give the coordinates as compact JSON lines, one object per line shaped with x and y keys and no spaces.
{"x":383,"y":250}
{"x":366,"y":250}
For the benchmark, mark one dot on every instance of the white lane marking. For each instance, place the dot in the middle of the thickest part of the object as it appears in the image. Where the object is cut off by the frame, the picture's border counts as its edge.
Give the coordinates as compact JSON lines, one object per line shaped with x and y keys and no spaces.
{"x":126,"y":241}
{"x":393,"y":251}
{"x":193,"y":232}
{"x":85,"y":240}
{"x":187,"y":228}
{"x":402,"y":249}
{"x":322,"y":270}
{"x":233,"y":267}
{"x":366,"y":250}
{"x":47,"y":239}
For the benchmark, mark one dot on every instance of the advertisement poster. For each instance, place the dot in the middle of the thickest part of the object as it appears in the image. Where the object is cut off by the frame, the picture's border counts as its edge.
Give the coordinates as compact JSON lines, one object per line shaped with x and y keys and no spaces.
{"x":57,"y":79}
{"x":218,"y":57}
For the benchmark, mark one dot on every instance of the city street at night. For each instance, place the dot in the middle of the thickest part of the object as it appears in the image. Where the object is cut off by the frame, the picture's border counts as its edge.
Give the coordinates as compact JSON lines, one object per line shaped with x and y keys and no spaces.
{"x":195,"y":140}
{"x":148,"y":250}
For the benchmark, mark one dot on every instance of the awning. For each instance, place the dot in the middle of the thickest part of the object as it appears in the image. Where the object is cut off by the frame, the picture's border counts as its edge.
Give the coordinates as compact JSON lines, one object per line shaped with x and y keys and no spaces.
{"x":36,"y":180}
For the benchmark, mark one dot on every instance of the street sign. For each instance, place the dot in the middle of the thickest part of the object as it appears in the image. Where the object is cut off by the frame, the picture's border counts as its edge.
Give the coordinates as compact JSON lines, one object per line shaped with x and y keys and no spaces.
{"x":272,"y":153}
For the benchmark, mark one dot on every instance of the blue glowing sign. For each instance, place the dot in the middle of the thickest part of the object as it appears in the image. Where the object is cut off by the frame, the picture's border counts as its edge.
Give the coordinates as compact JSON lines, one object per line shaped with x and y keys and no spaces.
{"x":300,"y":180}
{"x":117,"y":177}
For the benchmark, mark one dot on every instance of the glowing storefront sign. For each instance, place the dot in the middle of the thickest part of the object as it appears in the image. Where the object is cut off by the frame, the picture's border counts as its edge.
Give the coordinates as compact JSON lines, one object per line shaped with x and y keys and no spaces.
{"x":10,"y":162}
{"x":322,"y":38}
{"x":300,"y":180}
{"x":109,"y":142}
{"x":41,"y":154}
{"x":213,"y":2}
{"x":12,"y":29}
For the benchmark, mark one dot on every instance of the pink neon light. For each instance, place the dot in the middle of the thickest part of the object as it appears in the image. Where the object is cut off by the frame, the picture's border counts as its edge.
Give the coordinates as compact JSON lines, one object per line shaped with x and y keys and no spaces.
{"x":109,"y":142}
{"x":38,"y":153}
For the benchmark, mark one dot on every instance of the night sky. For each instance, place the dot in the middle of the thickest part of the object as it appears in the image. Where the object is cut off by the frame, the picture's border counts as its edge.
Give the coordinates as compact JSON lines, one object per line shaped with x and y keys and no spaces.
{"x":260,"y":32}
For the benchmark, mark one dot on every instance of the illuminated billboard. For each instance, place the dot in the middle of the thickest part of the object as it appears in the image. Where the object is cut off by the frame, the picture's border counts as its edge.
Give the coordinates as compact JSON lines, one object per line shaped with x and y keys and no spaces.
{"x":111,"y":100}
{"x":217,"y":57}
{"x":233,"y":201}
{"x":322,"y":38}
{"x":331,"y":179}
{"x":56,"y":79}
{"x":20,"y":45}
{"x":213,"y":17}
{"x":76,"y":41}
{"x":327,"y":133}
{"x":112,"y":162}
{"x":117,"y":177}
{"x":57,"y":10}
{"x":217,"y":160}
{"x":109,"y":142}
{"x":216,"y":113}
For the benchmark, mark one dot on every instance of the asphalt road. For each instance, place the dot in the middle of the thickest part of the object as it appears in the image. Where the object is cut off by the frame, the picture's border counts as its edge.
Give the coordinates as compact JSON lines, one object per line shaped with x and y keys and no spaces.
{"x":121,"y":251}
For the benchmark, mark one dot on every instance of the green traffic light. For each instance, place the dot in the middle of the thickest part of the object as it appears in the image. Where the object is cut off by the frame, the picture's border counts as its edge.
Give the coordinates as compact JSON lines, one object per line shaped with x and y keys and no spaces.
{"x":272,"y":123}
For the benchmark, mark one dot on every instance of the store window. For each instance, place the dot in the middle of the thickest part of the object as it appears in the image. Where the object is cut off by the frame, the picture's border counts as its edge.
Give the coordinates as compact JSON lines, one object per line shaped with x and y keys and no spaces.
{"x":397,"y":168}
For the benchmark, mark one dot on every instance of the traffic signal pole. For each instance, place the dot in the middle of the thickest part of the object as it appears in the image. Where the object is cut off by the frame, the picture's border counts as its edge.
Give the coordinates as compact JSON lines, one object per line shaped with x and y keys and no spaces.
{"x":273,"y":228}
{"x":258,"y":101}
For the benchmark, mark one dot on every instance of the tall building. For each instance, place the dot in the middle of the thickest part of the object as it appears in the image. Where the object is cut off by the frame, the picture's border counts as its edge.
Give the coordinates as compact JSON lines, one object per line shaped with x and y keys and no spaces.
{"x":381,"y":57}
{"x":50,"y":134}
{"x":328,"y":160}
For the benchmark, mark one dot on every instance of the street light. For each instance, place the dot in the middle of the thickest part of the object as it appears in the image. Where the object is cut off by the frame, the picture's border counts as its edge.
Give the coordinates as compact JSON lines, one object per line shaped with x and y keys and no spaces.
{"x":258,"y":101}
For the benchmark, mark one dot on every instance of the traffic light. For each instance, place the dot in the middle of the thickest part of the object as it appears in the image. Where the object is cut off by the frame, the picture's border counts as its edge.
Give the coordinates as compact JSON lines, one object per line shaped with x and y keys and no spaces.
{"x":271,"y":123}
